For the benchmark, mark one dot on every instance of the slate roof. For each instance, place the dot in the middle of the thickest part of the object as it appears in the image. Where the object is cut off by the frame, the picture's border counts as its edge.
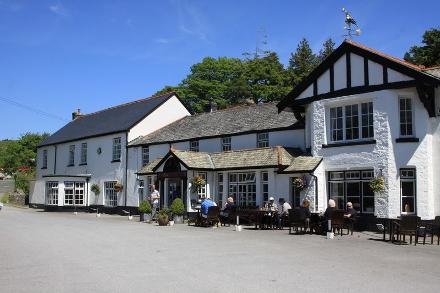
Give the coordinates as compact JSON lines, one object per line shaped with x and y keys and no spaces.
{"x":235,"y":120}
{"x":435,"y":71}
{"x":275,"y":157}
{"x":303,"y":164}
{"x":112,"y":120}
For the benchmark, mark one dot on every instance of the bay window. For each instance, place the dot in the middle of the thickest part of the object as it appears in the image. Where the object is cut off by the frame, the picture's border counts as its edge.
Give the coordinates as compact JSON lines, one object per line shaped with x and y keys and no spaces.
{"x":346,"y":124}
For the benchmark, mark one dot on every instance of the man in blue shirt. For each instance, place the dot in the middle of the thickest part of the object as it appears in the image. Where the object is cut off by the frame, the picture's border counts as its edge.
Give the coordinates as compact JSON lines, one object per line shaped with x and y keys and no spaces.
{"x":205,"y":206}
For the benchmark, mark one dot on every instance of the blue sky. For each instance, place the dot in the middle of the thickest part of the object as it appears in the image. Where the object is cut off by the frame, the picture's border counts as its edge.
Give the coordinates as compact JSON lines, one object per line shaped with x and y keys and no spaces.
{"x":57,"y":56}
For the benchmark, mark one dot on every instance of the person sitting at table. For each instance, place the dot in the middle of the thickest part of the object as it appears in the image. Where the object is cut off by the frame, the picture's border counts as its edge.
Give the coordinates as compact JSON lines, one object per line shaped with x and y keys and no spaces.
{"x":350,"y":212}
{"x":229,"y":205}
{"x":271,"y":205}
{"x":208,"y":202}
{"x":284,"y":212}
{"x":328,"y":214}
{"x":304,"y":212}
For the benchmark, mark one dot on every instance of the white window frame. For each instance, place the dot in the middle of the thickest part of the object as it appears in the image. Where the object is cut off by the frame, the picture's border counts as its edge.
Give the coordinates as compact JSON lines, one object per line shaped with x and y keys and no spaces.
{"x":226,"y":143}
{"x":83,"y":154}
{"x":71,"y":155}
{"x":262,"y":139}
{"x":52,"y":191}
{"x":201,"y":192}
{"x":44,"y":163}
{"x":264,"y":183}
{"x":117,"y":149}
{"x":243,"y":187}
{"x":220,"y":188}
{"x":145,"y":151}
{"x":110,"y":194}
{"x":76,"y":193}
{"x":141,"y":189}
{"x":412,"y":179}
{"x":194,"y":146}
{"x":405,"y":122}
{"x":360,"y":126}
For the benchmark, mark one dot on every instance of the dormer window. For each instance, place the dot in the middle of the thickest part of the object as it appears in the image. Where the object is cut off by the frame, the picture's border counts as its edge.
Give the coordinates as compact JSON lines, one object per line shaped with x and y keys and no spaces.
{"x":262,"y":140}
{"x":351,"y":122}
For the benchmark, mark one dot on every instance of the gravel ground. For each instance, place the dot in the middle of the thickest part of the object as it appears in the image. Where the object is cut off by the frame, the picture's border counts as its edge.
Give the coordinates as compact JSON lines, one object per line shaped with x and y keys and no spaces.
{"x":61,"y":252}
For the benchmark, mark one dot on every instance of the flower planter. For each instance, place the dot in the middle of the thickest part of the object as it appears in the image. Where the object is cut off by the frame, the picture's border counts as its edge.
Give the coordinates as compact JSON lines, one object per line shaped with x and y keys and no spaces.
{"x":178,"y":219}
{"x":145,"y":217}
{"x":163,"y":221}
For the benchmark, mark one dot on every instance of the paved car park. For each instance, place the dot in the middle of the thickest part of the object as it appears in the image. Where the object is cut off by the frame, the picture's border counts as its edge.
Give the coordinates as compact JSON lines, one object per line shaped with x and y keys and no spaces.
{"x":61,"y":252}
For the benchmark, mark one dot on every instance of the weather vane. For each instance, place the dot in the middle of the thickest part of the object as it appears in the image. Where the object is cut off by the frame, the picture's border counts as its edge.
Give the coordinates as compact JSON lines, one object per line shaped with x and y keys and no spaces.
{"x":351,"y":26}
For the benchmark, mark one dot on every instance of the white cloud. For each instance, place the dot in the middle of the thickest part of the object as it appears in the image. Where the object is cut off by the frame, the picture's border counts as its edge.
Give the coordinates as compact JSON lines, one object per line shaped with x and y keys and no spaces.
{"x":58,"y":9}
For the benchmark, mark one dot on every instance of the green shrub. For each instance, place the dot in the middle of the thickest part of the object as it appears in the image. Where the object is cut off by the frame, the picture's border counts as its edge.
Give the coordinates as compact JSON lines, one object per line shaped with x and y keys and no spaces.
{"x":144,"y":207}
{"x":163,"y":212}
{"x":177,"y":207}
{"x":5,"y":198}
{"x":95,"y":189}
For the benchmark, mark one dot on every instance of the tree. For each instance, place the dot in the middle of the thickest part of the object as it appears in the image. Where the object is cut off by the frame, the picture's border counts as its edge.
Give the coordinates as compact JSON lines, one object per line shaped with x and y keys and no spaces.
{"x":21,"y":152}
{"x":302,"y":62}
{"x":429,"y":54}
{"x":266,"y":78}
{"x":327,"y":48}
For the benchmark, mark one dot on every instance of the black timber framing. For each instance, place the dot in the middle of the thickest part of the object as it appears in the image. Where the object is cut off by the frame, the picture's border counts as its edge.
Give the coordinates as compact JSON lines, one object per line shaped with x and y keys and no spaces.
{"x":348,"y":47}
{"x":385,"y":74}
{"x":332,"y":78}
{"x":366,"y":72}
{"x":348,"y":68}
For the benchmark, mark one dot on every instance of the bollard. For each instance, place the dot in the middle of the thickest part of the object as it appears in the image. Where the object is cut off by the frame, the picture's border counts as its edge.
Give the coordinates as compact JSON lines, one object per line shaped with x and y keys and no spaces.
{"x":238,"y":227}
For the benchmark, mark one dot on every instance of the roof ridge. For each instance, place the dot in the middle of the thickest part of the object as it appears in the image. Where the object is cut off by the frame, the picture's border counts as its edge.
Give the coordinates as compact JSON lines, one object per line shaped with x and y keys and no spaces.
{"x":385,"y":55}
{"x":431,"y":67}
{"x":128,"y":103}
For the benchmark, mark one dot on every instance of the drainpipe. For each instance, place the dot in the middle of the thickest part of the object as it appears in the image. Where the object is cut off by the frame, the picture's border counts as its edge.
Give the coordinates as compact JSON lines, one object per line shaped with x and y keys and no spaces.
{"x":316,"y":190}
{"x":126,"y":169}
{"x":55,"y":161}
{"x":87,"y":191}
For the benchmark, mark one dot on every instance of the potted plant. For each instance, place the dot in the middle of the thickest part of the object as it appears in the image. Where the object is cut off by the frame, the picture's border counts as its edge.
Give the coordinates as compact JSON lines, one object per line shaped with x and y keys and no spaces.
{"x":118,"y":187}
{"x":299,"y":183}
{"x":178,"y":210}
{"x":162,"y":217}
{"x":197,"y":182}
{"x":145,"y":211}
{"x":96,"y":190}
{"x":377,"y":184}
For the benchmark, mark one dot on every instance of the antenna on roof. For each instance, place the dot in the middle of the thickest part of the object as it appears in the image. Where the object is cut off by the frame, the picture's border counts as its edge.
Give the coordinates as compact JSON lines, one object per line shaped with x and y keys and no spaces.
{"x":350,"y":25}
{"x":261,"y":43}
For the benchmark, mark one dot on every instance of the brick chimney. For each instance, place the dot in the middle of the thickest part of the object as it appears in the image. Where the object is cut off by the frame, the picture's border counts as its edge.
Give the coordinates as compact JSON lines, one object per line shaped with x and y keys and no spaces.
{"x":76,"y":114}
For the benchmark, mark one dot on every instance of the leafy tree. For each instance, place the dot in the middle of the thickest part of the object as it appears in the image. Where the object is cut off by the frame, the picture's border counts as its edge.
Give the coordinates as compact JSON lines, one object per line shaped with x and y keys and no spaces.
{"x":266,"y":78}
{"x":327,"y":48}
{"x":21,"y":152}
{"x":302,"y":62}
{"x":429,"y":54}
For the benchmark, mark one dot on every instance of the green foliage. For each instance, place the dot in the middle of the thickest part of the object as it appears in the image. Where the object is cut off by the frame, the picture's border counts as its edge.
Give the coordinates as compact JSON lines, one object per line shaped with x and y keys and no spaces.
{"x":302,"y":62}
{"x":21,"y":152}
{"x":327,"y":48}
{"x":22,"y":181}
{"x":5,"y":198}
{"x":428,"y":54}
{"x":144,"y":207}
{"x":95,"y":189}
{"x":163,"y":214}
{"x":377,"y":184}
{"x":177,"y":207}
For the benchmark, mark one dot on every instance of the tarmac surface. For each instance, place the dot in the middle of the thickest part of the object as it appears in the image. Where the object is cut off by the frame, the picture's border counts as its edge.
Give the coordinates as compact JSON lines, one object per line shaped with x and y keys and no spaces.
{"x":62,"y":252}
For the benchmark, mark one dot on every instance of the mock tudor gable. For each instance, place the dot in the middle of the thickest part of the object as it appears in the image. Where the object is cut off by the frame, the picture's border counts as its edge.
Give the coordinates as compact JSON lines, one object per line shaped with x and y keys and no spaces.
{"x":354,"y":69}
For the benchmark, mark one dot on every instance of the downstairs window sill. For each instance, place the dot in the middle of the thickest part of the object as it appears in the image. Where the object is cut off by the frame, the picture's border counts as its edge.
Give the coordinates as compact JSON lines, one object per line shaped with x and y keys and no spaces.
{"x":407,"y":139}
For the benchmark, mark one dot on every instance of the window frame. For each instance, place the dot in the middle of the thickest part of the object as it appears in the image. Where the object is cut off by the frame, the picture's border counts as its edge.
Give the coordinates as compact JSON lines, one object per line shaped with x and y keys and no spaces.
{"x":243,"y":188}
{"x":412,"y":179}
{"x":220,"y":188}
{"x":263,"y":142}
{"x":226,"y":143}
{"x":71,"y":161}
{"x":202,"y":191}
{"x":110,"y":194}
{"x":44,"y":162}
{"x":264,"y":185}
{"x":145,"y":155}
{"x":334,"y":119}
{"x":117,"y":149}
{"x":405,"y":122}
{"x":52,"y":192}
{"x":83,"y":158}
{"x":194,"y":146}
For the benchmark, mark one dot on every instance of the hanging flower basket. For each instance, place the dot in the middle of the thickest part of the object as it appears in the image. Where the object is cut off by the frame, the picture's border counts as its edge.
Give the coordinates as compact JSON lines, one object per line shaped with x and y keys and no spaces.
{"x":197,"y":182}
{"x":118,"y":187}
{"x":299,"y":183}
{"x":95,"y":189}
{"x":377,"y":184}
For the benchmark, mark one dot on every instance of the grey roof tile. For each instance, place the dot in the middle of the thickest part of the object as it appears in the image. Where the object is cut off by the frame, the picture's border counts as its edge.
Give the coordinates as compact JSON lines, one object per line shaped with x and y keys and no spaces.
{"x":115,"y":119}
{"x":235,"y":120}
{"x":303,"y":164}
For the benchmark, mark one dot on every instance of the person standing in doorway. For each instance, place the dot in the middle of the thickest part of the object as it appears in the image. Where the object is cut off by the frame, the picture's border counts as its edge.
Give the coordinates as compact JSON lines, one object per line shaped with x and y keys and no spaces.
{"x":154,"y":199}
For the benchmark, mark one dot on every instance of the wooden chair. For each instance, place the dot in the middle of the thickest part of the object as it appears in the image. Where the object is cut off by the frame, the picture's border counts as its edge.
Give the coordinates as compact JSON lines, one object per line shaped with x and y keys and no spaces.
{"x":231,"y":218}
{"x":338,"y":221}
{"x":212,"y":218}
{"x":434,"y":229}
{"x":296,"y":221}
{"x":408,"y":225}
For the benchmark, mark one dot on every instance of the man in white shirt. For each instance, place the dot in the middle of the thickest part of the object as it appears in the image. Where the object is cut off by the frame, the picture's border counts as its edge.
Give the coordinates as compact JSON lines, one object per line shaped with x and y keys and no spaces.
{"x":284,"y":212}
{"x":154,"y":198}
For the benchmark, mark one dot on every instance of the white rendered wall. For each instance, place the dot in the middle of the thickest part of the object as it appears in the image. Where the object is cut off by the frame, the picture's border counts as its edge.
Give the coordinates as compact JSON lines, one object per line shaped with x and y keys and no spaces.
{"x":386,"y":154}
{"x":168,"y":112}
{"x":375,"y":73}
{"x":324,"y":82}
{"x":357,"y":70}
{"x":340,"y":73}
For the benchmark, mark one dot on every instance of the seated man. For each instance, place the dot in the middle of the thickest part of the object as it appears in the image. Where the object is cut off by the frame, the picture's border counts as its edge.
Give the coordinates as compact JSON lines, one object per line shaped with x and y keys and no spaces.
{"x":205,"y":206}
{"x":350,"y":212}
{"x":229,"y":205}
{"x":304,"y":212}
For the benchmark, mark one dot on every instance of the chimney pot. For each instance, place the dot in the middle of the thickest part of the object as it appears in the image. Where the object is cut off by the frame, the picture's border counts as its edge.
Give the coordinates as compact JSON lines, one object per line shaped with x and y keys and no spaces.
{"x":76,"y":114}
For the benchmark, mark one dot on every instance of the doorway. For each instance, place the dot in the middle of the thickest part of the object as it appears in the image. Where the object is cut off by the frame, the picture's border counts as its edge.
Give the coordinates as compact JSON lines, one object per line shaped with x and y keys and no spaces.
{"x":174,"y":190}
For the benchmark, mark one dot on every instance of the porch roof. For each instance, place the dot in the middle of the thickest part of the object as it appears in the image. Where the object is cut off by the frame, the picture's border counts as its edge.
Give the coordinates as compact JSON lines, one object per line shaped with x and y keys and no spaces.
{"x":269,"y":157}
{"x":303,"y":164}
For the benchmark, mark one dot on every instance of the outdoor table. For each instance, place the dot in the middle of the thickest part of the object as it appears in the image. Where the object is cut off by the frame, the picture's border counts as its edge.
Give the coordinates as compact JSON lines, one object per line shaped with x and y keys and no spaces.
{"x":388,"y":224}
{"x":263,"y":214}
